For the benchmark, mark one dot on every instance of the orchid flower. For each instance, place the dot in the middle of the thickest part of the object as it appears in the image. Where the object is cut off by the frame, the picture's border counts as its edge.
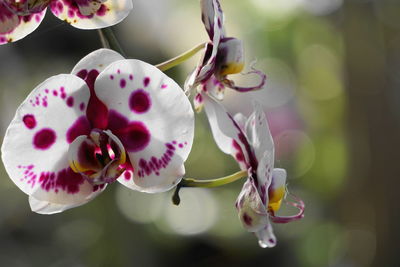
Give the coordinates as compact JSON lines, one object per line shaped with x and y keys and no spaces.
{"x":110,"y":119}
{"x":250,"y":142}
{"x":223,"y":56}
{"x":19,"y":18}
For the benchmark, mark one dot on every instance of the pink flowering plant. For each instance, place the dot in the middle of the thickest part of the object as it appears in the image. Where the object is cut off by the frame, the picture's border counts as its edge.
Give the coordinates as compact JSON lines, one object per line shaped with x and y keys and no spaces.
{"x":114,"y":119}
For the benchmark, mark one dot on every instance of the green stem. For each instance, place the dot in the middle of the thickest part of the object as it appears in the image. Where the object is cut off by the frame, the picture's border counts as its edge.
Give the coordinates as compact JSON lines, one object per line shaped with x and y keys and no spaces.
{"x":190,"y":182}
{"x":108,"y":36}
{"x":181,"y":58}
{"x":103,"y":40}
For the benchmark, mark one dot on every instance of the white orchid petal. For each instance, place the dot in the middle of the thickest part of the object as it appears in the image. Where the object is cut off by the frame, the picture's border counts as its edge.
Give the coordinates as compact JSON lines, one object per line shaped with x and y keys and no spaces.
{"x":35,"y":146}
{"x":14,"y":27}
{"x":258,"y":132}
{"x":266,"y":237}
{"x":45,"y":207}
{"x":226,"y":132}
{"x":152,"y":117}
{"x":97,"y":60}
{"x":251,"y":210}
{"x":109,"y":13}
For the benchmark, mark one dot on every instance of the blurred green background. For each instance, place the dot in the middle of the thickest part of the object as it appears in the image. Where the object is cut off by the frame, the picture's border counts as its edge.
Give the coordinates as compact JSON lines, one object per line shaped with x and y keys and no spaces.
{"x":333,"y":104}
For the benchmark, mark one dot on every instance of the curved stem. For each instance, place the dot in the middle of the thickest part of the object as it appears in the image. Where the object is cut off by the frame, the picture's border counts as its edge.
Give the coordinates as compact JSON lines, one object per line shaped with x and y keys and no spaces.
{"x":109,"y":40}
{"x":190,"y":182}
{"x":181,"y":58}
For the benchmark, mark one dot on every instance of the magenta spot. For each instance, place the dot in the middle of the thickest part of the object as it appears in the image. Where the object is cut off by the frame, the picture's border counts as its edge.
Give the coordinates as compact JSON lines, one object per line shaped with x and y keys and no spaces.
{"x":180,"y":145}
{"x":102,"y":10}
{"x":163,"y":86}
{"x":127,"y":175}
{"x":118,"y":71}
{"x":70,"y":101}
{"x":112,"y":77}
{"x":247,"y":219}
{"x":63,"y":95}
{"x":135,"y":136}
{"x":46,"y":91}
{"x":139,"y":101}
{"x":82,"y":106}
{"x":44,"y":139}
{"x":80,"y":127}
{"x":29,"y":121}
{"x":130,"y":77}
{"x":55,"y":93}
{"x":122,"y":83}
{"x":146,"y":81}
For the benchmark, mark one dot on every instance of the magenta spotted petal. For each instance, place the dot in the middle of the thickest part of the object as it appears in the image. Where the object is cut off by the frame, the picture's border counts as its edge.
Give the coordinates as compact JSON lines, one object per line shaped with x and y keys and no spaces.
{"x":91,"y":14}
{"x":14,"y":27}
{"x":153,"y":119}
{"x":35,"y":146}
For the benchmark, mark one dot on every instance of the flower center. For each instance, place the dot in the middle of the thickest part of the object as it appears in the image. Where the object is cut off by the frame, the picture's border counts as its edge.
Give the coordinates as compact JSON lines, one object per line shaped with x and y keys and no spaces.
{"x":98,"y":157}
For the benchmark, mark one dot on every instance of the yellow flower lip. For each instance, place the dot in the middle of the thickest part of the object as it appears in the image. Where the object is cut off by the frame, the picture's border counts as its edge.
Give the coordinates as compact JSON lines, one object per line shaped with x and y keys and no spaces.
{"x":231,"y":68}
{"x":275,"y":198}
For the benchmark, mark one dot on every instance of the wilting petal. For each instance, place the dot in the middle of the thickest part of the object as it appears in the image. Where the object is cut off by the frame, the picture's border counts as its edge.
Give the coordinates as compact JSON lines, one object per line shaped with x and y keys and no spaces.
{"x":35,"y":146}
{"x":109,"y":13}
{"x":14,"y":27}
{"x":45,"y":207}
{"x":153,"y":119}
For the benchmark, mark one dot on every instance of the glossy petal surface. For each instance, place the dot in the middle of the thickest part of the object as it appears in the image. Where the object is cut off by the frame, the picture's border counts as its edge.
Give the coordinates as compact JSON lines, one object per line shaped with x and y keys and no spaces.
{"x":109,"y":13}
{"x":35,"y":146}
{"x":153,"y":119}
{"x":14,"y":27}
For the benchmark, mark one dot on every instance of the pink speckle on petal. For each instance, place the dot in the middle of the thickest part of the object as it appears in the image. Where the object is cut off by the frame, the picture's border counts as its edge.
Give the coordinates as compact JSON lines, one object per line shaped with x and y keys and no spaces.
{"x":139,"y":101}
{"x":163,"y":86}
{"x":29,"y":121}
{"x":122,"y":83}
{"x":130,"y":77}
{"x":112,"y":77}
{"x":146,"y":81}
{"x":70,"y":101}
{"x":66,"y":180}
{"x":44,"y":139}
{"x":82,"y":106}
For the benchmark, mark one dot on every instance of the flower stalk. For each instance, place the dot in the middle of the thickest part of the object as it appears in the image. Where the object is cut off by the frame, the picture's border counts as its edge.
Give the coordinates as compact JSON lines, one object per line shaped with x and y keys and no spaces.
{"x":109,"y":40}
{"x":181,"y":58}
{"x":191,"y":182}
